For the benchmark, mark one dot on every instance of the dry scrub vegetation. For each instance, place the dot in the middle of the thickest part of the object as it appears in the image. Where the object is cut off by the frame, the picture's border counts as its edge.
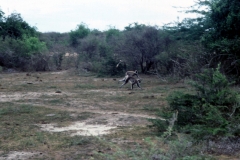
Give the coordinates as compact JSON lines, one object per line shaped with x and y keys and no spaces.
{"x":63,"y":115}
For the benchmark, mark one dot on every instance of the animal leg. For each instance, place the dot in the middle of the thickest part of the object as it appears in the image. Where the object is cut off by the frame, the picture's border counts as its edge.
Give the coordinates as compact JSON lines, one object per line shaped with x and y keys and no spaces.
{"x":123,"y":84}
{"x":139,"y":85}
{"x":132,"y":86}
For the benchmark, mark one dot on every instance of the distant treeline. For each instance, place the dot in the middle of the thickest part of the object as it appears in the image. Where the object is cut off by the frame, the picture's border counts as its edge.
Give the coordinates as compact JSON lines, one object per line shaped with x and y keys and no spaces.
{"x":179,"y":49}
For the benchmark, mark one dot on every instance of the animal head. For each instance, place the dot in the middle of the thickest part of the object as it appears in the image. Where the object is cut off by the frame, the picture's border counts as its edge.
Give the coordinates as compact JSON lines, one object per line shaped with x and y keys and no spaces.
{"x":120,"y":61}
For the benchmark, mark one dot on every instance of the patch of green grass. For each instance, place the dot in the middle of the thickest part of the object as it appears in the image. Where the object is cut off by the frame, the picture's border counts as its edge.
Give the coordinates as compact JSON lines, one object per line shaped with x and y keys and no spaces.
{"x":84,"y":74}
{"x":128,"y":97}
{"x":11,"y":110}
{"x":25,"y":87}
{"x":159,"y":89}
{"x":85,"y":86}
{"x":19,"y":132}
{"x":117,"y":98}
{"x":99,"y":84}
{"x":151,"y":108}
{"x":40,"y":137}
{"x":108,"y":84}
{"x":52,"y":87}
{"x":44,"y":96}
{"x":58,"y":117}
{"x":56,"y":101}
{"x":78,"y":140}
{"x":85,"y":115}
{"x":152,"y":148}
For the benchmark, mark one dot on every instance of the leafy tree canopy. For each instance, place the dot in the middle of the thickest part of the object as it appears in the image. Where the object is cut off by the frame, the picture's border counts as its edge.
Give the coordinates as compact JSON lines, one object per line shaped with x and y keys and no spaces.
{"x":218,"y":28}
{"x":1,"y":15}
{"x":135,"y":26}
{"x":223,"y":36}
{"x":81,"y":32}
{"x":111,"y":33}
{"x":15,"y":27}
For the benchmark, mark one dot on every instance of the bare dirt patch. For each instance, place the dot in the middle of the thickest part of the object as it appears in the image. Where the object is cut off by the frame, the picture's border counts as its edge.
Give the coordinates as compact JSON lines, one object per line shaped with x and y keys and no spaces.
{"x":9,"y":97}
{"x":78,"y":128}
{"x":15,"y":155}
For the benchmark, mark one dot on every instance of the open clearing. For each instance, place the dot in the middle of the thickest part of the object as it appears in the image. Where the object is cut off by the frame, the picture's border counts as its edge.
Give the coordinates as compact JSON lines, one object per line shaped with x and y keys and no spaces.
{"x":63,"y":115}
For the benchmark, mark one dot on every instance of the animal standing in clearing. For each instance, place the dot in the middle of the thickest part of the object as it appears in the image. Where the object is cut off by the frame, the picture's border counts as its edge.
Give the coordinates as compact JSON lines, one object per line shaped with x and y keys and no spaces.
{"x":132,"y":73}
{"x":132,"y":80}
{"x":129,"y":74}
{"x":129,"y":77}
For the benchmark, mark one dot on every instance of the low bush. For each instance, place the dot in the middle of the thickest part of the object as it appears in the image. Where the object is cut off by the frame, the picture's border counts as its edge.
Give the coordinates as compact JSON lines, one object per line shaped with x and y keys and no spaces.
{"x":213,"y":111}
{"x":109,"y":68}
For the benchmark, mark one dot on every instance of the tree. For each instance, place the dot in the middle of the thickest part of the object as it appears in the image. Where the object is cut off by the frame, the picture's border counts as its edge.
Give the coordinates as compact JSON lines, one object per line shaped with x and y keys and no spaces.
{"x":223,"y":38}
{"x":34,"y":46}
{"x":15,"y":27}
{"x":1,"y":15}
{"x":89,"y":47}
{"x":219,"y":26}
{"x":142,"y":44}
{"x":81,"y":32}
{"x":20,"y":42}
{"x":111,"y":33}
{"x":54,"y":39}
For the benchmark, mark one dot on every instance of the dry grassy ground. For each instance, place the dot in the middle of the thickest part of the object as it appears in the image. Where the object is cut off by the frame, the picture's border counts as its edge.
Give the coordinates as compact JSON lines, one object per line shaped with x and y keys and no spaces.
{"x":63,"y":115}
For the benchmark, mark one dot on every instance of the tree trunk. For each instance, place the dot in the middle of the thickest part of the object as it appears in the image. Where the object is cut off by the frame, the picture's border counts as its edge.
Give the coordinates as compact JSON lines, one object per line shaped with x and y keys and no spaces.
{"x":142,"y":67}
{"x":148,"y":65}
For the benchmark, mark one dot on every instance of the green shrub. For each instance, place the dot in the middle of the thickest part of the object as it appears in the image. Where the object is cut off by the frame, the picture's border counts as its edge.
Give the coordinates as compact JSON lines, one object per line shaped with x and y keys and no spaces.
{"x":212,"y":111}
{"x":33,"y":45}
{"x":109,"y":68}
{"x":17,"y":53}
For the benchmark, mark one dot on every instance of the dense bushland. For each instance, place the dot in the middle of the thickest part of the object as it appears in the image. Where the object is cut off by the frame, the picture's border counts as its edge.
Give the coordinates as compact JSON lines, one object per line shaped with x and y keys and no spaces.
{"x":181,"y":49}
{"x":211,"y":110}
{"x":19,"y":43}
